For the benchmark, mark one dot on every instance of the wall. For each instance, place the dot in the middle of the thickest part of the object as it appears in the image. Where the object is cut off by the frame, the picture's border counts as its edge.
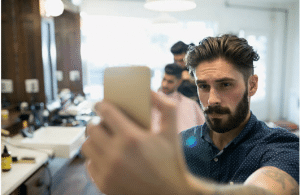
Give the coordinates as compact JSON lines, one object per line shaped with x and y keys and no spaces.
{"x":291,"y":101}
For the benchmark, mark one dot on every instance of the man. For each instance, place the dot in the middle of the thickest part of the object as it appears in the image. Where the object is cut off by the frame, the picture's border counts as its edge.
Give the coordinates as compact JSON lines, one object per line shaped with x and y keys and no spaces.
{"x":232,"y":153}
{"x":238,"y":147}
{"x":189,"y":113}
{"x":187,"y":87}
{"x":179,"y":51}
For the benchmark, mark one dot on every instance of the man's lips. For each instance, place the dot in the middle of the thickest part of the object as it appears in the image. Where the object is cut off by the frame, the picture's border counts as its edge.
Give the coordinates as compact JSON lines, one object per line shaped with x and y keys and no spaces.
{"x":215,"y":115}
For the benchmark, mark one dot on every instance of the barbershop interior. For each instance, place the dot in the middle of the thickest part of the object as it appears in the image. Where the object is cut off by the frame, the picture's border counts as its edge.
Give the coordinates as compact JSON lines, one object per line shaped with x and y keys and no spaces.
{"x":54,"y":54}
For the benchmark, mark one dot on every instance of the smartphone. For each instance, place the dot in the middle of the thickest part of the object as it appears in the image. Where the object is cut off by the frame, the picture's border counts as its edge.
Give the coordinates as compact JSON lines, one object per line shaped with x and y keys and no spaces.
{"x":129,"y":89}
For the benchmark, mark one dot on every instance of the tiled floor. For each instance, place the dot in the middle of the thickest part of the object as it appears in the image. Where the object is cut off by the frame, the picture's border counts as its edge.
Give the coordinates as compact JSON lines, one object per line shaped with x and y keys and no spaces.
{"x":75,"y":181}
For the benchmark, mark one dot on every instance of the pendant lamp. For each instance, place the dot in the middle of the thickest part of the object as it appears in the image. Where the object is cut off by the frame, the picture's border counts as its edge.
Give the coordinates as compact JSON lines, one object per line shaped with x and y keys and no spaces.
{"x":170,"y":5}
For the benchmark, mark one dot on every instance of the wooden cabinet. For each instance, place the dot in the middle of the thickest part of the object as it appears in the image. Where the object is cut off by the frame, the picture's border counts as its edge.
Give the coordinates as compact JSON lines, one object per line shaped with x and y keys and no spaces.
{"x":37,"y":184}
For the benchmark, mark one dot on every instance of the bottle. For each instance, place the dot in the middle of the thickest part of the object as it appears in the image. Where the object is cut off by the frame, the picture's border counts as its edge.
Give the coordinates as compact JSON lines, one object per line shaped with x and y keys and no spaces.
{"x":46,"y":117}
{"x":24,"y":116}
{"x":6,"y":160}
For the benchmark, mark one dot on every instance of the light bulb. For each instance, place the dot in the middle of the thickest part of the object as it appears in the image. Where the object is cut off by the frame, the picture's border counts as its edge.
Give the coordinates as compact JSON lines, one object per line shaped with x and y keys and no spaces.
{"x":54,"y":7}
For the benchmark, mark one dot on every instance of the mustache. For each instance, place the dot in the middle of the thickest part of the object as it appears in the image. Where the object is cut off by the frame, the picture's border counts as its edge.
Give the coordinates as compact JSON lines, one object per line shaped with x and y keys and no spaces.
{"x":216,"y":110}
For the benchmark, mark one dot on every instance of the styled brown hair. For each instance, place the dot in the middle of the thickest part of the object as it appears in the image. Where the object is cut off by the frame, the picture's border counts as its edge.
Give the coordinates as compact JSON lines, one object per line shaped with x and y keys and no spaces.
{"x":231,"y":48}
{"x":179,"y":48}
{"x":174,"y":69}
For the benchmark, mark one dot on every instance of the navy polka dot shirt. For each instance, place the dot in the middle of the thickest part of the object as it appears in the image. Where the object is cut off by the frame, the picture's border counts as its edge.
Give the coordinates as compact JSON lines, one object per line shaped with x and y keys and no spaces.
{"x":255,"y":147}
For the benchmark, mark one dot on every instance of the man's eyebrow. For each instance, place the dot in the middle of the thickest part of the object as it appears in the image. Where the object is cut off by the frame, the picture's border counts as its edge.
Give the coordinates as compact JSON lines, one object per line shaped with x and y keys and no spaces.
{"x":200,"y":81}
{"x":225,"y":79}
{"x":218,"y":81}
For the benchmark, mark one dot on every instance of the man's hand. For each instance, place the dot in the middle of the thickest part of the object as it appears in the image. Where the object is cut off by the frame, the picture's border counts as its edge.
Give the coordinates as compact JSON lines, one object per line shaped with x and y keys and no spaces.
{"x":123,"y":158}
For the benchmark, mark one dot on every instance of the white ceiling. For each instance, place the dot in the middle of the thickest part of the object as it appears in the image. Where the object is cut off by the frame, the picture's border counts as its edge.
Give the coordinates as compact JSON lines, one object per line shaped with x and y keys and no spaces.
{"x":240,"y":1}
{"x":248,"y":2}
{"x":259,"y":2}
{"x":92,"y":7}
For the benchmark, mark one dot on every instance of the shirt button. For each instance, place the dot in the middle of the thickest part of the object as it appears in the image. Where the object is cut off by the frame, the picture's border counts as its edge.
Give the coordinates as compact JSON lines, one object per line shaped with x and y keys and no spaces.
{"x":216,"y":159}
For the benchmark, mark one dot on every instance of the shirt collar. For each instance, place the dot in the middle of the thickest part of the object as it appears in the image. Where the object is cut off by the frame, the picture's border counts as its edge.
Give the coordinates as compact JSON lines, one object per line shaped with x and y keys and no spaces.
{"x":252,"y":121}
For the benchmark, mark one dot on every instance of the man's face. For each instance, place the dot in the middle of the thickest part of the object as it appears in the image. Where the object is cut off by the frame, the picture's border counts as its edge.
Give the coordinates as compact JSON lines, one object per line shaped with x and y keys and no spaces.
{"x":223,"y":95}
{"x":178,"y":59}
{"x":169,"y":84}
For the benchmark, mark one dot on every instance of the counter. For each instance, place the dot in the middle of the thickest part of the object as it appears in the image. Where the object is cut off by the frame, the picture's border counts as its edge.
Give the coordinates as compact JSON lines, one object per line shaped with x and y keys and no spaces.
{"x":21,"y":172}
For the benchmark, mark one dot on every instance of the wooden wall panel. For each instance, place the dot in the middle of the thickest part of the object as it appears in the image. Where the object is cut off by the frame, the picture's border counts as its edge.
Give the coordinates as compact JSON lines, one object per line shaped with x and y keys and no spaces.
{"x":32,"y":66}
{"x":9,"y":46}
{"x":8,"y":68}
{"x":27,"y":7}
{"x":68,"y":43}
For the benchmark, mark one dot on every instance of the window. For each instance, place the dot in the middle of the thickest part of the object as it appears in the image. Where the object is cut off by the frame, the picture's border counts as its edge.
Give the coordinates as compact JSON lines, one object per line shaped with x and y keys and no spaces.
{"x":119,"y":41}
{"x":259,"y":43}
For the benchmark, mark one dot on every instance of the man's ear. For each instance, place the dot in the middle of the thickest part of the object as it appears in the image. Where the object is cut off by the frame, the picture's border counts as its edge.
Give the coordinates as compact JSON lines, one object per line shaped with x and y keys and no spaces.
{"x":252,"y":85}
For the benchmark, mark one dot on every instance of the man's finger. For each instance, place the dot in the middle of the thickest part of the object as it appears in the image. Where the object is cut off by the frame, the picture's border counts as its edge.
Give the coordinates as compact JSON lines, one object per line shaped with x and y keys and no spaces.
{"x":99,"y":136}
{"x":169,"y":124}
{"x":167,"y":108}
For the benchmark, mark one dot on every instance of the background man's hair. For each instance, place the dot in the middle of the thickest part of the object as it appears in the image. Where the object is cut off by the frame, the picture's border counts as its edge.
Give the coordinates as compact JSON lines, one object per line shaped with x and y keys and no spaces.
{"x":179,"y":48}
{"x":233,"y":49}
{"x":174,"y":69}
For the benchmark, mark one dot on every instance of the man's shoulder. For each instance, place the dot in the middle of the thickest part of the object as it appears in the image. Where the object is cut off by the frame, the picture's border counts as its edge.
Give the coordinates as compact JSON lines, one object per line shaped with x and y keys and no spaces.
{"x":281,"y":135}
{"x":273,"y":135}
{"x":186,"y":99}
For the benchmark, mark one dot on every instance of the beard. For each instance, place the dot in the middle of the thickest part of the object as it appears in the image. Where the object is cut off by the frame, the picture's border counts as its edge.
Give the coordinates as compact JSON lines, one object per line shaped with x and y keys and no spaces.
{"x":167,"y":91}
{"x":234,"y":119}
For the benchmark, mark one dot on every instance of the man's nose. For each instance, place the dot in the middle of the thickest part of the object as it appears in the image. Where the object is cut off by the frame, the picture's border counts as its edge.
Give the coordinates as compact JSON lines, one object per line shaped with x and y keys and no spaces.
{"x":214,"y":97}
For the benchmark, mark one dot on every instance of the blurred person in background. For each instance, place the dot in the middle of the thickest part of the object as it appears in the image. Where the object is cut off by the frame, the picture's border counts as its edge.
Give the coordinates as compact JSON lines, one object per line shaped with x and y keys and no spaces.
{"x":187,"y":86}
{"x":189,"y":113}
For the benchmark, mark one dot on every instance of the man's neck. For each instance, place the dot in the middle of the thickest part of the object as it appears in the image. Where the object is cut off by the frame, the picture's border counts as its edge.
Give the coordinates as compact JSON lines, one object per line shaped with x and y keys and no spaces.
{"x":172,"y":94}
{"x":222,"y":139}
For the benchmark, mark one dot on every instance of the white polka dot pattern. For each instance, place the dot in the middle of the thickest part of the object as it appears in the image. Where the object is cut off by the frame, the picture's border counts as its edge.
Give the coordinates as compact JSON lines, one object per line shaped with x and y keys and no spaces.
{"x":256,"y":146}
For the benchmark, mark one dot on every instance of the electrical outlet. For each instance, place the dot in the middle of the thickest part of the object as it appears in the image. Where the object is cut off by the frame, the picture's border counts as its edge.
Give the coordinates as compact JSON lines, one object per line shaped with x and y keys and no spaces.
{"x":59,"y":75}
{"x":32,"y":85}
{"x":7,"y":86}
{"x":74,"y":75}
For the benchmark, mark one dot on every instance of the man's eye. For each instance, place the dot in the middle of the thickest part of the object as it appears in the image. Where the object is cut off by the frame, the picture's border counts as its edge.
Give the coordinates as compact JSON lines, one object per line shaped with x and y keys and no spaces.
{"x":226,"y":84}
{"x":203,"y":86}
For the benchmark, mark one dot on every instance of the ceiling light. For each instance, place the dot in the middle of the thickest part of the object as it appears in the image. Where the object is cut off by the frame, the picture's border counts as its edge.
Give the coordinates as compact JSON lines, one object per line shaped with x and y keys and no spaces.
{"x":54,"y":7}
{"x":170,"y":5}
{"x":76,"y":2}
